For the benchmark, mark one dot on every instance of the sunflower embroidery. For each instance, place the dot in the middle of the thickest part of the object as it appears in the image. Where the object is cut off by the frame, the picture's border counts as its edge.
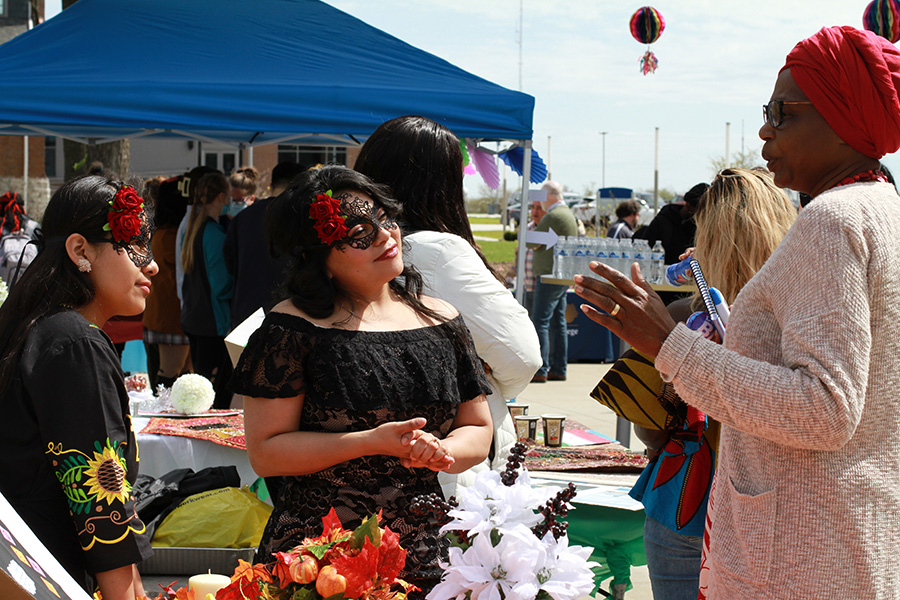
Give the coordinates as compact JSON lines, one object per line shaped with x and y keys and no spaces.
{"x":92,"y":480}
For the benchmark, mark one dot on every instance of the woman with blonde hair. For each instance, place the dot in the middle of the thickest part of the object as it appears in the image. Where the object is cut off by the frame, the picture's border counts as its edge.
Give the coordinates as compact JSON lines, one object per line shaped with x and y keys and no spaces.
{"x":244,"y":182}
{"x":741,"y":219}
{"x":208,"y":287}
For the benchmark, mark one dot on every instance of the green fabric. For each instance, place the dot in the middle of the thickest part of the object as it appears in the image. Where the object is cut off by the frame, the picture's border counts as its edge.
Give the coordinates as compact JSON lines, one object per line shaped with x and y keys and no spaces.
{"x":617,"y":537}
{"x":561,"y":220}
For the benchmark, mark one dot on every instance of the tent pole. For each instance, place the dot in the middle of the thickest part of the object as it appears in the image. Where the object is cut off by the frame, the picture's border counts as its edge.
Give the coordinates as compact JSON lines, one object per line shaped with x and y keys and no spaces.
{"x":525,"y":206}
{"x":25,"y":186}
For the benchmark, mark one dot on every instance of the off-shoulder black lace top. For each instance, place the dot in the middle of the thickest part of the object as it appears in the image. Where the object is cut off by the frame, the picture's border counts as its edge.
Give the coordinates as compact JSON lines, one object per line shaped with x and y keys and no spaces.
{"x":351,"y":381}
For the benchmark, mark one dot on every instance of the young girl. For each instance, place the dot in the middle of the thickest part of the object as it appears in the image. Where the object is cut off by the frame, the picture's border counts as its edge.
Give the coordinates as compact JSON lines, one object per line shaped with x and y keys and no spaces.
{"x":68,"y":458}
{"x":356,"y":377}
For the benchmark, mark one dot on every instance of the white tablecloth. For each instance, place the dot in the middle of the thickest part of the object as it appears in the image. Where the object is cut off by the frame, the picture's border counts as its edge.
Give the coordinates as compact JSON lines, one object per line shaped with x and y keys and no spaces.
{"x":160,"y":454}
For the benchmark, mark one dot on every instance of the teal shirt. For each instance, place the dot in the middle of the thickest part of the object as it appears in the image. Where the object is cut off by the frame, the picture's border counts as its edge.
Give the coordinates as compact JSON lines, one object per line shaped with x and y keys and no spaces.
{"x":221,"y":283}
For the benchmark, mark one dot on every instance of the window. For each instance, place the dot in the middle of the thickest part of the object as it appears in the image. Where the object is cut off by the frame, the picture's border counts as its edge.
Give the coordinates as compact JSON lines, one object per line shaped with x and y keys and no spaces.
{"x":227,"y":160}
{"x":309,"y":156}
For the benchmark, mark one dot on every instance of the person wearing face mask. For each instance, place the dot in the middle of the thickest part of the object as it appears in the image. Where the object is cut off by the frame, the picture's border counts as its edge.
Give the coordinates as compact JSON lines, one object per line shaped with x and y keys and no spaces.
{"x":356,"y":377}
{"x":68,"y":460}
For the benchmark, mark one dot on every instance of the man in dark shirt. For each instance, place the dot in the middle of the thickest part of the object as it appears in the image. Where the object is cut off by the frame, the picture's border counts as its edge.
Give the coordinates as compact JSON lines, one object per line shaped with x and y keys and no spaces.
{"x":256,"y":272}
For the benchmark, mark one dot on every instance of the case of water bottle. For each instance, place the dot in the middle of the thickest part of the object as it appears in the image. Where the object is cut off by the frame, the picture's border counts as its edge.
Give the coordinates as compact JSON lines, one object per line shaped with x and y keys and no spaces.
{"x":572,"y":255}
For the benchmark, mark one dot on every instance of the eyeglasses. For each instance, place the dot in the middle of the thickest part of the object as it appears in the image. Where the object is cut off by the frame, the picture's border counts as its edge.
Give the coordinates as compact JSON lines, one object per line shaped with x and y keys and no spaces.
{"x":773,"y":112}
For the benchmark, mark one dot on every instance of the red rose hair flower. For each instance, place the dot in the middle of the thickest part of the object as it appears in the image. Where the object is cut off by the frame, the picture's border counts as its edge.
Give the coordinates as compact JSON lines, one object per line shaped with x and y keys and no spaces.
{"x":125,"y":215}
{"x":329,"y":222}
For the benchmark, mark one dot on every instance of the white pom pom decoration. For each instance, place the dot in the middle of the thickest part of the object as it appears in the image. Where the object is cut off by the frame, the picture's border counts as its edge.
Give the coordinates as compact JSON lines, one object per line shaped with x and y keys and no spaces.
{"x":192,"y":394}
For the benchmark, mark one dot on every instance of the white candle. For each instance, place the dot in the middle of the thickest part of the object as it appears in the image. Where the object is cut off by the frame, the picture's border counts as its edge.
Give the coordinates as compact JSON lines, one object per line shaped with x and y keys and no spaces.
{"x":207,"y":584}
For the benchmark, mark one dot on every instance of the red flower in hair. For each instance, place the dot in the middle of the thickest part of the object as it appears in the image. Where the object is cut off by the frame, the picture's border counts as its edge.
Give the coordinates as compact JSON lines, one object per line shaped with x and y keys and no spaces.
{"x":124,"y":225}
{"x":329,"y":222}
{"x":127,"y":199}
{"x":125,"y":214}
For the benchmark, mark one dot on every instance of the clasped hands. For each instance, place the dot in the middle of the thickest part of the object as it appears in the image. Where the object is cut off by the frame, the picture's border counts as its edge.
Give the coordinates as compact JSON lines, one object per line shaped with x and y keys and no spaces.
{"x":416,"y":448}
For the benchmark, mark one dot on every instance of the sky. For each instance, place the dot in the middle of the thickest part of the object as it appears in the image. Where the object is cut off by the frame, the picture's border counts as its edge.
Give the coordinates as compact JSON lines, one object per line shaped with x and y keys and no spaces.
{"x":718,"y":60}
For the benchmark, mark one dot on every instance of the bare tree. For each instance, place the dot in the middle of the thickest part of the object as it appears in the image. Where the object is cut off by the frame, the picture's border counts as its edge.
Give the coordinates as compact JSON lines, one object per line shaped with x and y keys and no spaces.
{"x":746,"y":159}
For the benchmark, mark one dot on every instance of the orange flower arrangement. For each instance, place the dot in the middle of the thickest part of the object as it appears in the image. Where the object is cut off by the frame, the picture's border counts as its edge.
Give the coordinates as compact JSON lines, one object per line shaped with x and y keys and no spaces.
{"x":359,"y":564}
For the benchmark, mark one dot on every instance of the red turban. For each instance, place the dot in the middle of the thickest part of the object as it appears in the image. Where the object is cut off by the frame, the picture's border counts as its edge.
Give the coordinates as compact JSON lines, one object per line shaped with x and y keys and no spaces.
{"x":852,"y":77}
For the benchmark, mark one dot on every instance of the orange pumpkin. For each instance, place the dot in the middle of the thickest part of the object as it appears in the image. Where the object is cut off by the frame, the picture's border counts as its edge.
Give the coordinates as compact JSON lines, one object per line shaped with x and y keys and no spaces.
{"x":330,"y":582}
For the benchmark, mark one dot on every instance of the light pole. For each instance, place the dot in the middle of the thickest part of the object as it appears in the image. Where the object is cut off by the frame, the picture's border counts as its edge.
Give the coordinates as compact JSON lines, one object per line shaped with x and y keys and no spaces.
{"x":603,"y":177}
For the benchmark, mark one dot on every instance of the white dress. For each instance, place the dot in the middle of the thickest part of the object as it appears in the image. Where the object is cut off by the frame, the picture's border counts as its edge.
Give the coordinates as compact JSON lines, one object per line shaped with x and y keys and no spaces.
{"x":503,"y":333}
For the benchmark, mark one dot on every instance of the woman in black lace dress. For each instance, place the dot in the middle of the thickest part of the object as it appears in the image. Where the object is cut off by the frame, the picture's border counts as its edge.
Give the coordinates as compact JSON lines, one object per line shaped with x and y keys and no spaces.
{"x":358,"y":389}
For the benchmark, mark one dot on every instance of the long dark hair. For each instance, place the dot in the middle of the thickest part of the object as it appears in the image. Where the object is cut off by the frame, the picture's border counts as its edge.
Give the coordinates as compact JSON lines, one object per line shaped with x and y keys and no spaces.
{"x":422,"y":163}
{"x":52,"y":280}
{"x":291,"y":232}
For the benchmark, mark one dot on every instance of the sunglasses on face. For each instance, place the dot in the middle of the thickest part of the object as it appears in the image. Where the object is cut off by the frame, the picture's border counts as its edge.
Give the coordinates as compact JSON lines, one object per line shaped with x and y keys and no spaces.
{"x":773,"y":112}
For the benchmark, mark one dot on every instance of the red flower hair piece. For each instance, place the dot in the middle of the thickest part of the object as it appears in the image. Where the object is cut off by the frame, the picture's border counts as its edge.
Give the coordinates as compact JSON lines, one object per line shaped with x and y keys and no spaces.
{"x":125,"y":215}
{"x":329,"y":222}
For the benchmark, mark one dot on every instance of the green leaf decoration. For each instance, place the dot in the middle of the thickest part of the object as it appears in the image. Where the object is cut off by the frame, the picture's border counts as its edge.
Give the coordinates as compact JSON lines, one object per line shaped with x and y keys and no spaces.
{"x":465,"y":152}
{"x":305,"y":593}
{"x":368,"y":529}
{"x":320,"y":551}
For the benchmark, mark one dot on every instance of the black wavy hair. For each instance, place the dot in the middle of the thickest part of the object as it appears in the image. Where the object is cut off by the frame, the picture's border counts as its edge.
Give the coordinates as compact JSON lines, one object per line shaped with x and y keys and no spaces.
{"x":422,"y":163}
{"x":52,"y":281}
{"x":291,"y":233}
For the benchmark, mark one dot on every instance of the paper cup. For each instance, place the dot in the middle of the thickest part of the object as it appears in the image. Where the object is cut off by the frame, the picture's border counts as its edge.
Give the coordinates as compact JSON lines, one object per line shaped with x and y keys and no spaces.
{"x":526,"y":428}
{"x":553,"y":429}
{"x":517,"y":409}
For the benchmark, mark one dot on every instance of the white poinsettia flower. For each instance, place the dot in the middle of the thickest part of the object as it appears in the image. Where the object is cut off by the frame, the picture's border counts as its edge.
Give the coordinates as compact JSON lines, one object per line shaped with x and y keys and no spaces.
{"x":505,"y":571}
{"x":565,"y":571}
{"x":489,"y":504}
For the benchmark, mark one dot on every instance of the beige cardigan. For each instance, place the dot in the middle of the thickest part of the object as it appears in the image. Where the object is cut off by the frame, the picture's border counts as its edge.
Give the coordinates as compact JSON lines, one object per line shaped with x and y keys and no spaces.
{"x":807,"y":496}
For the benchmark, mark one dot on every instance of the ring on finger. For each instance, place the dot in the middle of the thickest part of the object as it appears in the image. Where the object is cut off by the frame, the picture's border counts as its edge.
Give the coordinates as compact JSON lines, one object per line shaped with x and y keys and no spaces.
{"x":615,"y":310}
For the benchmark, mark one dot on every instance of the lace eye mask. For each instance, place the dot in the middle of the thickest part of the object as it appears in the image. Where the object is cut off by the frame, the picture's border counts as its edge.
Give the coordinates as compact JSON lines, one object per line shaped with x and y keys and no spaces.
{"x":363,"y":220}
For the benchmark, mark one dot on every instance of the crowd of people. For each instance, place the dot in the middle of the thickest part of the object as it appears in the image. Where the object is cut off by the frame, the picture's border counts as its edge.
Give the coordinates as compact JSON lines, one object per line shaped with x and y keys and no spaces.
{"x":390,"y":346}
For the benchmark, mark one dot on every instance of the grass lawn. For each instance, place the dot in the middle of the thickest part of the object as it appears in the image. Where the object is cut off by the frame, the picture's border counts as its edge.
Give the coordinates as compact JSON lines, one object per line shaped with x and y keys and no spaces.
{"x":485,"y":220}
{"x":500,"y":251}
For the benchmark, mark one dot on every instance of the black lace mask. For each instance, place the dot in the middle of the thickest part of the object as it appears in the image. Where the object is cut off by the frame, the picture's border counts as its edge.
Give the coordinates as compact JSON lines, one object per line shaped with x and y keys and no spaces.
{"x":363,"y":220}
{"x":138,"y":247}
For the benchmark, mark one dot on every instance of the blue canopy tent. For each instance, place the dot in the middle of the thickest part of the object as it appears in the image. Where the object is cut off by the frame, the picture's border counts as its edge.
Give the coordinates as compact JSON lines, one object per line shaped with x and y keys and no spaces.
{"x":243,"y":73}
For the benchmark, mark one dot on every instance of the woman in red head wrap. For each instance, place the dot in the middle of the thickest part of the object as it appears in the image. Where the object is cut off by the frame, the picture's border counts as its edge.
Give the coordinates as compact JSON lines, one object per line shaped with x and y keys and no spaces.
{"x":807,"y":495}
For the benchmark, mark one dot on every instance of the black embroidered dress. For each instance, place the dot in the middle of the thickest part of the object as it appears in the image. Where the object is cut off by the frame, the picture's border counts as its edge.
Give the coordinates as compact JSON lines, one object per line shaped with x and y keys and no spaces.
{"x":68,"y":456}
{"x":352,"y":381}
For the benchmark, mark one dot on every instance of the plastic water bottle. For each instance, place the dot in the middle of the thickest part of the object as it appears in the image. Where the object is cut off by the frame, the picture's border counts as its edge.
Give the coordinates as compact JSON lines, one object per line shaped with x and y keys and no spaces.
{"x":626,"y":257}
{"x":658,"y":257}
{"x":559,"y":258}
{"x":614,"y":256}
{"x":602,"y":254}
{"x":642,"y":256}
{"x":578,"y":263}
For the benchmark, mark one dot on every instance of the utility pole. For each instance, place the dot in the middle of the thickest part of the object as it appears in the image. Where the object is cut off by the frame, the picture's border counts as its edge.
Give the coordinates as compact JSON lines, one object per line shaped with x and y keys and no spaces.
{"x":603,"y":154}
